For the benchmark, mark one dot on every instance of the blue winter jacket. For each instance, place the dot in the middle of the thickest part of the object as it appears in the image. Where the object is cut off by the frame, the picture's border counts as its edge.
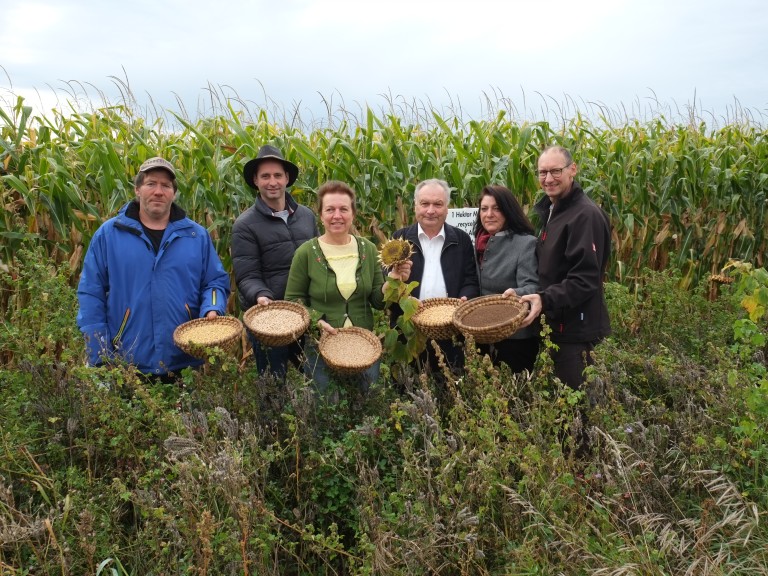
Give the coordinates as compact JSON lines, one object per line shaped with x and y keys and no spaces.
{"x":131,"y":299}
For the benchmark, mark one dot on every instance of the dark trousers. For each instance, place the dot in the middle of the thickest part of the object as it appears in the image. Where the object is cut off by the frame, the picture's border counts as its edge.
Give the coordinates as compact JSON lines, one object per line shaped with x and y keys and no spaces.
{"x":518,"y":354}
{"x":275,"y":359}
{"x":570,"y":361}
{"x":453,"y":355}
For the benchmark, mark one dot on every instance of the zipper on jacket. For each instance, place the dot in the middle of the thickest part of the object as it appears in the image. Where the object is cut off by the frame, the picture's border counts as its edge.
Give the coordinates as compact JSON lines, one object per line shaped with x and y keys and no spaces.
{"x":162,"y":250}
{"x":446,"y":244}
{"x":135,"y":232}
{"x":544,"y":230}
{"x":119,"y":334}
{"x":290,"y":232}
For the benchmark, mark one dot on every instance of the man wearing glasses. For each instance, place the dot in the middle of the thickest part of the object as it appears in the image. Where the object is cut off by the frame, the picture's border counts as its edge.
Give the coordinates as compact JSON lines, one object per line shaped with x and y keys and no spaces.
{"x":573,"y":249}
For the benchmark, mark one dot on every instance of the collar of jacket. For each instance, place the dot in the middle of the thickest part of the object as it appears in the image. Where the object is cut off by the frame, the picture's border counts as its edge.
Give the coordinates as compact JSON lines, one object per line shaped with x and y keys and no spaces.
{"x":132,"y":211}
{"x":412,"y":233}
{"x":542,"y":206}
{"x":262,"y":207}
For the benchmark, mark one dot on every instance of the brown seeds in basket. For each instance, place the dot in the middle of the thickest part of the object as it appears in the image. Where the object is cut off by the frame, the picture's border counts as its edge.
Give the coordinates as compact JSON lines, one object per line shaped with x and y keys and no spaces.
{"x":486,"y":315}
{"x":350,"y":350}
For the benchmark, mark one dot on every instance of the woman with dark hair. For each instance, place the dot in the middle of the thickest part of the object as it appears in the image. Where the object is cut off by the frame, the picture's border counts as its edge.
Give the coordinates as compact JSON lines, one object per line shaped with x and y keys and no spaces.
{"x":505,"y":248}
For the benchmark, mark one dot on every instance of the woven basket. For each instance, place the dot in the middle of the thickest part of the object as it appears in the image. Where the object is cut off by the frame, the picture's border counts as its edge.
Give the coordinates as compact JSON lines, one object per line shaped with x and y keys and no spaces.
{"x":490,"y":319}
{"x":195,"y":336}
{"x":277,"y":324}
{"x":435,"y":318}
{"x":351,"y":350}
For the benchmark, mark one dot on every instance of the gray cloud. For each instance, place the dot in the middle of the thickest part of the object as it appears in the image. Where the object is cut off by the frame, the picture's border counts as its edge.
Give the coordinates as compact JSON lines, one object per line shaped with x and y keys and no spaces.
{"x":304,"y":54}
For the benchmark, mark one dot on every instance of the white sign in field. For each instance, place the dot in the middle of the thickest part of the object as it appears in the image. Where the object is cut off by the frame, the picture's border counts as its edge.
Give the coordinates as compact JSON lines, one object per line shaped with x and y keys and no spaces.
{"x":463,"y":218}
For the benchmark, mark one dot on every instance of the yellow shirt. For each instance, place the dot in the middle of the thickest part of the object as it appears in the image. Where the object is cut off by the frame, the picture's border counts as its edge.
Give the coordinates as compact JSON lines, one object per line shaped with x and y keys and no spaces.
{"x":343,"y":261}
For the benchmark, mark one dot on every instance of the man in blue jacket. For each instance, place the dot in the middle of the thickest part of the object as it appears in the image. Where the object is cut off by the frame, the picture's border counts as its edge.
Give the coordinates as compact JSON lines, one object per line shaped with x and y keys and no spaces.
{"x":148,"y":270}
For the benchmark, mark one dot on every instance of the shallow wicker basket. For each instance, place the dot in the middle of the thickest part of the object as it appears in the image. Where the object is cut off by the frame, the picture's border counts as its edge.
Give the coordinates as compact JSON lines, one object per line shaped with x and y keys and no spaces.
{"x":435,"y":318}
{"x":490,"y":319}
{"x":277,"y":324}
{"x":195,"y":336}
{"x":351,"y":350}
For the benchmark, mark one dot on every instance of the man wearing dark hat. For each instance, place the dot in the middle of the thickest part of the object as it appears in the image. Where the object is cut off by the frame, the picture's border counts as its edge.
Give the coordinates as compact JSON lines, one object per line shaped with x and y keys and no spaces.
{"x":147,"y":270}
{"x":264,"y":239}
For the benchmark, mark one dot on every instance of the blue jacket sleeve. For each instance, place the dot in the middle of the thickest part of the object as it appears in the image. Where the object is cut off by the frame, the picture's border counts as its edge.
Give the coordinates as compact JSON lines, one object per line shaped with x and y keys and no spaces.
{"x":92,"y":298}
{"x":216,"y":283}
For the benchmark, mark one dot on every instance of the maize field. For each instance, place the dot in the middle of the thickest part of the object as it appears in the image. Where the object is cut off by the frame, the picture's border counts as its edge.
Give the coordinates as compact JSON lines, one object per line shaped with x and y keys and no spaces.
{"x":234,"y":473}
{"x":681,"y":196}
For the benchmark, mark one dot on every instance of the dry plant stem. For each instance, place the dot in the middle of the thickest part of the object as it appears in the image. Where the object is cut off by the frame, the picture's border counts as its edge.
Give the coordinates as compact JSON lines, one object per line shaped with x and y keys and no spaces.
{"x":62,"y":559}
{"x":245,"y":534}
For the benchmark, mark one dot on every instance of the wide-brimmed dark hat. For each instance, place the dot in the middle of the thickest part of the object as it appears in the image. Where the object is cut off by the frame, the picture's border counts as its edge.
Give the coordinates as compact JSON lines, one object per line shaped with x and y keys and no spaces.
{"x":269,"y":153}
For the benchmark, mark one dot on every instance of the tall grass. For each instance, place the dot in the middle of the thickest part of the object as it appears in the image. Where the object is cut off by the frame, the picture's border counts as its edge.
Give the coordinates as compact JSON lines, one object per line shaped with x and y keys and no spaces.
{"x":237,"y":474}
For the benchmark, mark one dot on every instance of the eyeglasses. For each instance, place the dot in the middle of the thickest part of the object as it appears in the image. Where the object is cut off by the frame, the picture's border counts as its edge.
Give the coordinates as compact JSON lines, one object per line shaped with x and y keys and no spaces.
{"x":556,"y":172}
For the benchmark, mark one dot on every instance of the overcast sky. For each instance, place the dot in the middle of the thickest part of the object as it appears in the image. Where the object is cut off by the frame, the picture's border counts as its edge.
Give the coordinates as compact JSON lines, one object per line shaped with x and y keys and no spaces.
{"x":638,"y":57}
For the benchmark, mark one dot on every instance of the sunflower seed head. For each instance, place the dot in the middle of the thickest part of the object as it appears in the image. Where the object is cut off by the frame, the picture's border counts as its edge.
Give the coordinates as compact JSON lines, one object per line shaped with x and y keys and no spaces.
{"x":394,"y":252}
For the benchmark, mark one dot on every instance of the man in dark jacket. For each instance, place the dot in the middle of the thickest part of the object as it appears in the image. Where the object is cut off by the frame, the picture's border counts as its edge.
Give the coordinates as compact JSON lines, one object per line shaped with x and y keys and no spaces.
{"x":264,"y":239}
{"x":573,"y":250}
{"x":443,"y":261}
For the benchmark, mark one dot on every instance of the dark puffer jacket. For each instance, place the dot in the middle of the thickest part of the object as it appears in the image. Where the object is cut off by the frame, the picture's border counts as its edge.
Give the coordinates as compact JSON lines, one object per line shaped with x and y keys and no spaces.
{"x":263,"y":246}
{"x":573,"y":251}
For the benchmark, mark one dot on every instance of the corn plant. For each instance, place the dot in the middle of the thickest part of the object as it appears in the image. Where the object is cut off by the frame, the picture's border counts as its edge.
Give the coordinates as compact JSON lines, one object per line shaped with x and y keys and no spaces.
{"x":678,"y":195}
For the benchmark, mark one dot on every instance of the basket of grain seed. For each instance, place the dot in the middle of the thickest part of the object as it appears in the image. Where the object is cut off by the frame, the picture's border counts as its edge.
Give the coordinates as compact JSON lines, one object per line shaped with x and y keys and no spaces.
{"x":195,"y":336}
{"x":277,"y":324}
{"x":435,"y":318}
{"x":490,"y":319}
{"x":351,"y":350}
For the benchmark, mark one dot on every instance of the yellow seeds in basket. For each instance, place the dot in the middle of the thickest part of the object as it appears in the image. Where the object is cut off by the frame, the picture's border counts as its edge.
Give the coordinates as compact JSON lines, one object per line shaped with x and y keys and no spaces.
{"x":436,"y":315}
{"x":277,"y":321}
{"x":205,"y":333}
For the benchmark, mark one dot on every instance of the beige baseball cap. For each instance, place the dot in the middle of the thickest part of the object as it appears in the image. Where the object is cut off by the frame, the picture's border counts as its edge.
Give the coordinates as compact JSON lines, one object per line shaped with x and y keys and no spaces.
{"x":158,"y":163}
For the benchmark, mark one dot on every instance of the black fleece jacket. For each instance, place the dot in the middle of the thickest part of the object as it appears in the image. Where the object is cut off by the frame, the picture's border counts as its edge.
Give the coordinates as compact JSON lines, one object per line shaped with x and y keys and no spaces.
{"x":573,"y":250}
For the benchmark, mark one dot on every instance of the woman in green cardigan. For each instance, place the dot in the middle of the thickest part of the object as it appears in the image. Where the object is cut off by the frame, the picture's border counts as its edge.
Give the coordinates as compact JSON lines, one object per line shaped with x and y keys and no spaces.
{"x":338,"y":275}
